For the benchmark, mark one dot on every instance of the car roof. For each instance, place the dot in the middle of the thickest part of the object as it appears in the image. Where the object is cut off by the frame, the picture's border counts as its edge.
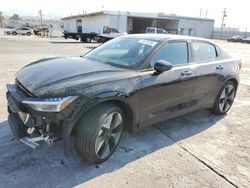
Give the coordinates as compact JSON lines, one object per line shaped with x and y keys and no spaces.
{"x":161,"y":37}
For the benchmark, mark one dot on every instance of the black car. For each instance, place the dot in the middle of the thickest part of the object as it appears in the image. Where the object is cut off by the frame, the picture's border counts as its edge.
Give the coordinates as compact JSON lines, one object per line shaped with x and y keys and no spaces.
{"x":127,"y":83}
{"x":235,"y":39}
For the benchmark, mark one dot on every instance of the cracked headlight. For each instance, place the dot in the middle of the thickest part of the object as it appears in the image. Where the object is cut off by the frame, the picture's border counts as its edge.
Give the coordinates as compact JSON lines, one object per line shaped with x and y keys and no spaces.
{"x":53,"y":104}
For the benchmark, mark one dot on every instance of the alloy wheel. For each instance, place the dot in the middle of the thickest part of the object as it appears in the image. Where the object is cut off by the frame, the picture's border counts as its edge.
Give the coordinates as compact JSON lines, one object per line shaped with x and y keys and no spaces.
{"x":226,"y":98}
{"x":108,"y":135}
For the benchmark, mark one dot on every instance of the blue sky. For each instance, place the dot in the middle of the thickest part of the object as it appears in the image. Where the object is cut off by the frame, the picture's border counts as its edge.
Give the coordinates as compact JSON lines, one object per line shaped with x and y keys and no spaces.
{"x":238,"y":12}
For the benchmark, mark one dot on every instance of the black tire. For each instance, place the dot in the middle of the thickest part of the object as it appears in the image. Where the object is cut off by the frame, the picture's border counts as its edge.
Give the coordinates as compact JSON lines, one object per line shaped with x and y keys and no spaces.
{"x":94,"y":142}
{"x":88,"y":40}
{"x":28,"y":34}
{"x":83,"y":39}
{"x":14,"y":33}
{"x":78,"y":37}
{"x":223,"y":104}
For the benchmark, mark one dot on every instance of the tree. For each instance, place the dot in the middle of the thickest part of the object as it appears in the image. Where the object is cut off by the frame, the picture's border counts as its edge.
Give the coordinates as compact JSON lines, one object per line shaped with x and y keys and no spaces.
{"x":14,"y":19}
{"x":1,"y":19}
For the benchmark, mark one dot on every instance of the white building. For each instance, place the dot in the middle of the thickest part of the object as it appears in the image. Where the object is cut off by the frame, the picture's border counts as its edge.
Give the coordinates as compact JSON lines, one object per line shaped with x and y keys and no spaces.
{"x":132,"y":22}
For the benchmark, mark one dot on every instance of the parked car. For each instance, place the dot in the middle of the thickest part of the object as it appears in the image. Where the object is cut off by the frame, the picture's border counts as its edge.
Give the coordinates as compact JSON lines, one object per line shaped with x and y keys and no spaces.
{"x":39,"y":30}
{"x":7,"y":30}
{"x":246,"y":40}
{"x":156,"y":30}
{"x":21,"y":31}
{"x":235,"y":39}
{"x":123,"y":85}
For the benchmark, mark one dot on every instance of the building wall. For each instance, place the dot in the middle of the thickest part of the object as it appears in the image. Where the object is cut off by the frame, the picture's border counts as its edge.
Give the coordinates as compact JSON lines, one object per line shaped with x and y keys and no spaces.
{"x":183,"y":26}
{"x":94,"y":23}
{"x":198,"y":28}
{"x":89,"y":24}
{"x":119,"y":22}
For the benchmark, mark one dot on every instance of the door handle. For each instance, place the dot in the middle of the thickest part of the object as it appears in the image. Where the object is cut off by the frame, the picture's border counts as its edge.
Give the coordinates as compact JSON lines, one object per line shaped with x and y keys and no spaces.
{"x":219,"y":67}
{"x":186,"y":73}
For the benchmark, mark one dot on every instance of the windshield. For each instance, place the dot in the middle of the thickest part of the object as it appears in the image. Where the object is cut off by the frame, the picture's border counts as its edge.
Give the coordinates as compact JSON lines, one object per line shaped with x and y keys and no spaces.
{"x":122,"y":51}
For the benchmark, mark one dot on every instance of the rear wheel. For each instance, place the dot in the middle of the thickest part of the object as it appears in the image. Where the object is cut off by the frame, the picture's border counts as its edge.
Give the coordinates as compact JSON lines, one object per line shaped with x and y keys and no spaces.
{"x":99,"y":132}
{"x":225,"y":98}
{"x":14,"y":33}
{"x":28,"y":33}
{"x":88,"y":40}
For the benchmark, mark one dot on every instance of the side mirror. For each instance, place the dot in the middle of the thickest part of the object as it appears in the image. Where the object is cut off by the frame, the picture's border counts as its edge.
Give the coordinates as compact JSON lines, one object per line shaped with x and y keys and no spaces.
{"x":161,"y":65}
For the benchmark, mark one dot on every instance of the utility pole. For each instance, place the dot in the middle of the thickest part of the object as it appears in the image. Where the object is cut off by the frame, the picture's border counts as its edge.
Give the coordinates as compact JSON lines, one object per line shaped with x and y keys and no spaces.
{"x":41,"y":16}
{"x":224,"y":12}
{"x":200,"y":12}
{"x":206,"y":13}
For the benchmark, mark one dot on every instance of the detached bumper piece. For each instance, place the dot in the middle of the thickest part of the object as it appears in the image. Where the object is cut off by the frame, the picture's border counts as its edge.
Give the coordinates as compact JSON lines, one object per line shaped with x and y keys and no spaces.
{"x":16,"y":127}
{"x":18,"y":131}
{"x":29,"y":142}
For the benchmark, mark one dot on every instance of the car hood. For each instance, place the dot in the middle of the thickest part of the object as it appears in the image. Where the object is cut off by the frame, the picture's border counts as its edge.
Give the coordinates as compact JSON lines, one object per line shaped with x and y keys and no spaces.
{"x":54,"y":75}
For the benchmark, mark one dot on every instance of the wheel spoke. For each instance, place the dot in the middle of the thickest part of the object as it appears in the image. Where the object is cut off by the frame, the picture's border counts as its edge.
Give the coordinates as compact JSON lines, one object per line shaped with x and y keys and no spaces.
{"x":108,"y":121}
{"x":223,"y":94}
{"x":222,"y":104}
{"x":100,"y":140}
{"x":230,"y":89}
{"x":115,"y":137}
{"x":116,"y":120}
{"x":227,"y":106}
{"x":106,"y":150}
{"x":231,"y":95}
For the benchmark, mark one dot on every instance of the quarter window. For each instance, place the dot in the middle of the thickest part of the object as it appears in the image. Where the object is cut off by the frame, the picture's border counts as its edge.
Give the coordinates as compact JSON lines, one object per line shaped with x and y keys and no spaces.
{"x":203,"y":51}
{"x":175,"y":52}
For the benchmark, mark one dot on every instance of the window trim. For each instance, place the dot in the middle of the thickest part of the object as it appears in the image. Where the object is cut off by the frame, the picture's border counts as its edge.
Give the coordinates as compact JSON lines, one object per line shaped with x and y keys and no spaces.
{"x":192,"y":61}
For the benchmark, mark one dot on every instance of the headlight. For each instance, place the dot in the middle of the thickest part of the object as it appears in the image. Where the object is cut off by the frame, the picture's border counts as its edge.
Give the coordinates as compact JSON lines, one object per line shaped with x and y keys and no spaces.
{"x":55,"y":104}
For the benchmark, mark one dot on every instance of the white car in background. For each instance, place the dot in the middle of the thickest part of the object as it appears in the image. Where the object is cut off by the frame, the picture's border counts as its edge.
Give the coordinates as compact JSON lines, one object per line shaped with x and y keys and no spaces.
{"x":21,"y":31}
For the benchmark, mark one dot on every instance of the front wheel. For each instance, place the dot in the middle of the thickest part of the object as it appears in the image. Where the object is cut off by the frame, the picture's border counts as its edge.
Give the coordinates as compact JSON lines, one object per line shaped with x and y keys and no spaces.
{"x":99,"y":132}
{"x":225,"y":98}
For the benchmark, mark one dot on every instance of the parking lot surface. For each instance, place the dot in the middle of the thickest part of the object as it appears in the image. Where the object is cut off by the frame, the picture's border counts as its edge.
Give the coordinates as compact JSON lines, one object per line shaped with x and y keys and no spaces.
{"x":196,"y":150}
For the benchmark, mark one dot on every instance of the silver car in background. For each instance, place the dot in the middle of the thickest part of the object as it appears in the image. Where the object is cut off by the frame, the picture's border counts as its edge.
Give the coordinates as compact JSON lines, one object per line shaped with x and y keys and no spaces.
{"x":21,"y":31}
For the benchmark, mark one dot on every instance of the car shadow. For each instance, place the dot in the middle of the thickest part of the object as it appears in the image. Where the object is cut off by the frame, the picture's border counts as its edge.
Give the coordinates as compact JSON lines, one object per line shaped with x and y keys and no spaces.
{"x":21,"y":166}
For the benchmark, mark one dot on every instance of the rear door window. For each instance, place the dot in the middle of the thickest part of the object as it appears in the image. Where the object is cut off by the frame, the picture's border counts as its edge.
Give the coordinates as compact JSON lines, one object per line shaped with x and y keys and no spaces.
{"x":203,"y":51}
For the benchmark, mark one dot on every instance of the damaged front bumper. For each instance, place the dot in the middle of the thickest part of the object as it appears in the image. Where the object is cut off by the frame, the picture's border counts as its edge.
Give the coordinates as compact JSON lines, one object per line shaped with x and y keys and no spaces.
{"x":27,"y":125}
